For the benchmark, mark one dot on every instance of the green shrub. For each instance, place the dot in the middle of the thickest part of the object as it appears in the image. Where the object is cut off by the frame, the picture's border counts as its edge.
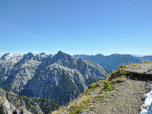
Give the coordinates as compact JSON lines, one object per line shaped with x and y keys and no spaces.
{"x":121,"y":73}
{"x":121,"y":66}
{"x":94,"y":85}
{"x":107,"y":86}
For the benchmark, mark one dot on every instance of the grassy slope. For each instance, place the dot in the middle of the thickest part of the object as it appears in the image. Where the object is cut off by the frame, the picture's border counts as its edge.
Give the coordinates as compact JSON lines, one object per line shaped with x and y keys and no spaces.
{"x":102,"y":88}
{"x":86,"y":98}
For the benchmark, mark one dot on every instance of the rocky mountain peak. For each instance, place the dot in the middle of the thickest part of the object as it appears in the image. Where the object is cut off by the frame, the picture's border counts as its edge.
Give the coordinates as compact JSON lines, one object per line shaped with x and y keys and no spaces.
{"x":61,"y":54}
{"x":6,"y":56}
{"x":40,"y":56}
{"x":18,"y":55}
{"x":42,"y":53}
{"x":28,"y":55}
{"x":50,"y":56}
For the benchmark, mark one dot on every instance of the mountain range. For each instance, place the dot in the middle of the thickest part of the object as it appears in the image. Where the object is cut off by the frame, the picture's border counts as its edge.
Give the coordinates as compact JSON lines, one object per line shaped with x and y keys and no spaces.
{"x":112,"y":61}
{"x":58,"y":78}
{"x":146,"y":58}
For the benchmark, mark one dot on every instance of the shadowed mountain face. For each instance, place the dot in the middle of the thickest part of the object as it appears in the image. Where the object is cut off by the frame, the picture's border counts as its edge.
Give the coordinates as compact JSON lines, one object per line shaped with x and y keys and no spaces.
{"x":36,"y":105}
{"x":110,"y":62}
{"x":58,"y":78}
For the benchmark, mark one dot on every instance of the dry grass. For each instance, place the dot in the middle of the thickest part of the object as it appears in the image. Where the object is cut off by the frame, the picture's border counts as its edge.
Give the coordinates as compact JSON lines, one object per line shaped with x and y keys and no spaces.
{"x":76,"y":106}
{"x":132,"y":64}
{"x":85,"y":99}
{"x":72,"y":104}
{"x":146,"y":62}
{"x":129,"y":66}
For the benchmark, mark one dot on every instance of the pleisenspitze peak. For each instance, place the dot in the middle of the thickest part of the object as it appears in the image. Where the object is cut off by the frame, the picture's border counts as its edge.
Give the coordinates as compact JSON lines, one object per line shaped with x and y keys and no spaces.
{"x":61,"y":54}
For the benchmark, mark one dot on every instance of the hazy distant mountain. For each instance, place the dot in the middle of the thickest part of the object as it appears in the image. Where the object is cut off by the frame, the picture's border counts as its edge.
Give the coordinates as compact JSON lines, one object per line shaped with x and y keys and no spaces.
{"x":146,"y":58}
{"x":112,"y":61}
{"x":134,"y":55}
{"x":58,"y":78}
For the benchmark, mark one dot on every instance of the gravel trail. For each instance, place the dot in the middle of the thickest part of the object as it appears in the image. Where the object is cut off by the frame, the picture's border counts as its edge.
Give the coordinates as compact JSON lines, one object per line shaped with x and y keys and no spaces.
{"x":126,"y":99}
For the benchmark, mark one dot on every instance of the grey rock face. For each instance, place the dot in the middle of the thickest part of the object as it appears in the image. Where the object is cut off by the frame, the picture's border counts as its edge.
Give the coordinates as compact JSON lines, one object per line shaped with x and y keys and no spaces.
{"x":6,"y":56}
{"x":35,"y":105}
{"x":58,"y":78}
{"x":7,"y":107}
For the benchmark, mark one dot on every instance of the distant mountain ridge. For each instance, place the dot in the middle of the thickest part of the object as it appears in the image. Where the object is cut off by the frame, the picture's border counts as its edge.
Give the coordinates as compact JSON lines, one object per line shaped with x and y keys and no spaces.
{"x":8,"y":56}
{"x":146,"y":58}
{"x":143,"y":57}
{"x":112,"y":61}
{"x":58,"y":78}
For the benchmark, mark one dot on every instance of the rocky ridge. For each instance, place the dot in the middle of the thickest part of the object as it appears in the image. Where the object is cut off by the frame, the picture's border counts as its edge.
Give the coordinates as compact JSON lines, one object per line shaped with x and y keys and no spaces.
{"x":58,"y":78}
{"x":34,"y":105}
{"x":146,"y":58}
{"x":112,"y":61}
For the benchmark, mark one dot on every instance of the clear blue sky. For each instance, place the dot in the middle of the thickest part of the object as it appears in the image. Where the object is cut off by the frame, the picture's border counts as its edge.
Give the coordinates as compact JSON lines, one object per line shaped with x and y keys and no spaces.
{"x":76,"y":26}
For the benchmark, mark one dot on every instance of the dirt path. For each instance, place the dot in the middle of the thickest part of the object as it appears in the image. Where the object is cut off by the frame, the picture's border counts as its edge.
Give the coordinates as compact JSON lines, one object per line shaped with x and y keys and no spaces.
{"x":126,"y":99}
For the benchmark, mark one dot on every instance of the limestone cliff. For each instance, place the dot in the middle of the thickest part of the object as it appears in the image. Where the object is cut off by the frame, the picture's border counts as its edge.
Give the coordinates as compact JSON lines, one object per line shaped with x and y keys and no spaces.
{"x":58,"y":78}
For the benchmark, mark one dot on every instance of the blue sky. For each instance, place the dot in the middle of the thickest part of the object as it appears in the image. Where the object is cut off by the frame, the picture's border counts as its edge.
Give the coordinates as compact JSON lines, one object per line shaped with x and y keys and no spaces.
{"x":76,"y":26}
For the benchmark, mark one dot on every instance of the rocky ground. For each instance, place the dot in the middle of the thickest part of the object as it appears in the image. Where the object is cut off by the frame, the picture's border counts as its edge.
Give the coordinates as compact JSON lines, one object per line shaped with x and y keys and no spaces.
{"x":126,"y":99}
{"x":141,"y":69}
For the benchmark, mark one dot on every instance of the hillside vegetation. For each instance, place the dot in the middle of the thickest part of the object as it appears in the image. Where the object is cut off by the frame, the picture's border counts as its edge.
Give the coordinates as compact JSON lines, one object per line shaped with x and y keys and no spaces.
{"x":36,"y":105}
{"x":97,"y":92}
{"x":101,"y":89}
